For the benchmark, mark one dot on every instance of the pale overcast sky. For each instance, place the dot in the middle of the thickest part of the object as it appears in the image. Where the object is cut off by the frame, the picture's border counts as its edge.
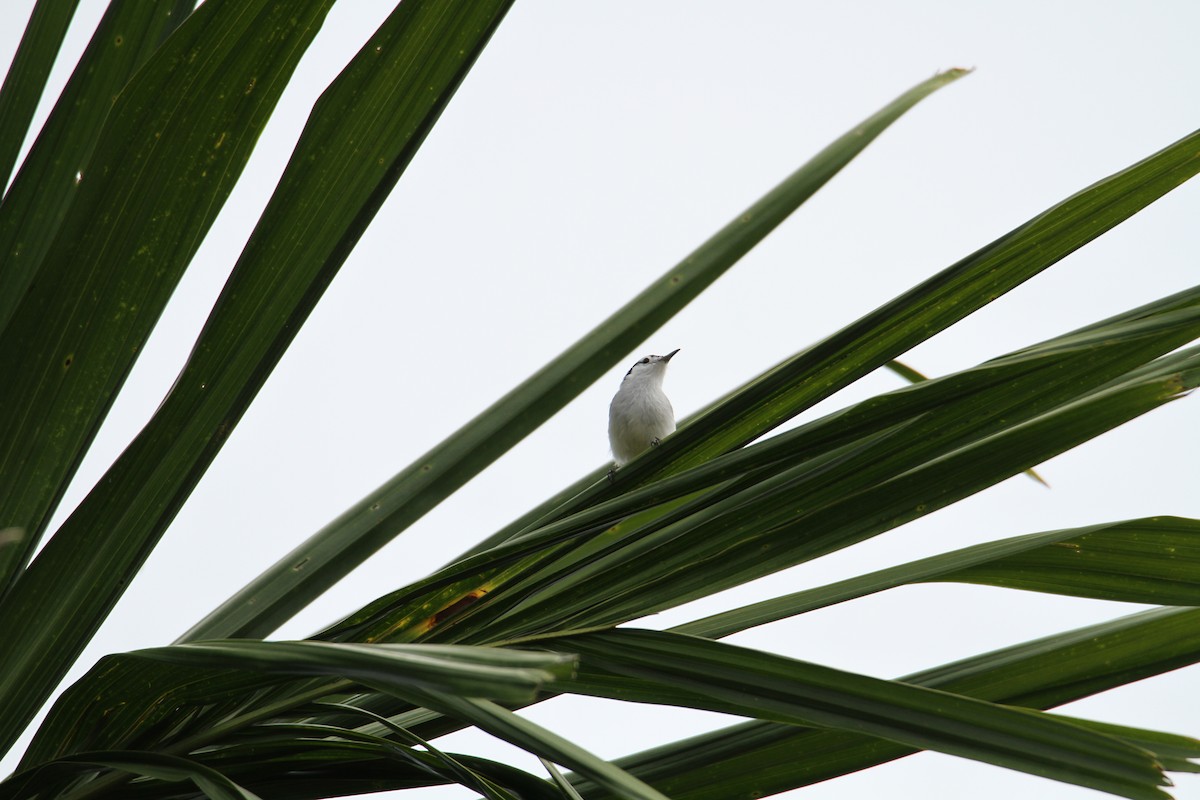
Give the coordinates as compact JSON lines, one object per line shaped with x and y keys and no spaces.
{"x":593,"y":146}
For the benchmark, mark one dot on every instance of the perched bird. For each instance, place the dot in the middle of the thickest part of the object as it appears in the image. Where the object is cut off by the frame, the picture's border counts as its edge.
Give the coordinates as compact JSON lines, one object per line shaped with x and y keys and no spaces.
{"x":640,"y":414}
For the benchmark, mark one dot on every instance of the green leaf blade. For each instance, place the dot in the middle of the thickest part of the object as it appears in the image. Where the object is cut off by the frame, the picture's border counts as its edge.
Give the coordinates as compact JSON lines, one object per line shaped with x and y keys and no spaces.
{"x":27,"y":76}
{"x":476,"y":672}
{"x":517,"y":730}
{"x":155,"y":181}
{"x":172,"y":769}
{"x":158,"y":175}
{"x":1039,"y":674}
{"x":774,"y":687}
{"x":1149,"y":560}
{"x":274,"y":286}
{"x":48,"y":182}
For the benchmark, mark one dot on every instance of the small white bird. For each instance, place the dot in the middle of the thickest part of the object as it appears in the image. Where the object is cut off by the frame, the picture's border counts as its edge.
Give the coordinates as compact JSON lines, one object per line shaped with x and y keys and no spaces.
{"x":640,"y":414}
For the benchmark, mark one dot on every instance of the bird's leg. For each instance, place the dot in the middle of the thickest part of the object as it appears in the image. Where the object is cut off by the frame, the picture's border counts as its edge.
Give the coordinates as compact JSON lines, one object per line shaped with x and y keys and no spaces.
{"x":655,"y":442}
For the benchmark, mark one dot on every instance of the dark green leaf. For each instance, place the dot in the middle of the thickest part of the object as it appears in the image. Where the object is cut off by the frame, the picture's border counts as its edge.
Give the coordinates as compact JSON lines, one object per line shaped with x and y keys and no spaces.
{"x":289,"y":761}
{"x":27,"y":76}
{"x":473,"y":671}
{"x":42,"y":192}
{"x":725,"y":678}
{"x":1175,"y":752}
{"x":517,"y":730}
{"x":44,"y":189}
{"x":568,"y":791}
{"x":1154,"y":560}
{"x":221,"y":687}
{"x":162,"y":767}
{"x":463,"y":774}
{"x":172,"y":147}
{"x":904,"y":371}
{"x":157,"y":176}
{"x":757,"y":759}
{"x":375,"y":115}
{"x":913,"y":376}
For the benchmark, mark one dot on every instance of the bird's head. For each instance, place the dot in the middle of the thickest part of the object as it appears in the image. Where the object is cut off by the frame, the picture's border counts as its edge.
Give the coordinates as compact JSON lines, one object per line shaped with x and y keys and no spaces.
{"x":650,"y":366}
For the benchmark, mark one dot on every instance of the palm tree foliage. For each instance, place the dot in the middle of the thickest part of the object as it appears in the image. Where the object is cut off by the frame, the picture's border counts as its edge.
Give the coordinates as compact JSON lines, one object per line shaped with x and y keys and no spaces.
{"x":144,"y":146}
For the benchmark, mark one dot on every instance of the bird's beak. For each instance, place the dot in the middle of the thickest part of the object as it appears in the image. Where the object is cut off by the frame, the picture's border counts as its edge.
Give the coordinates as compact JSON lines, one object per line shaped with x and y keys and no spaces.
{"x":668,"y":356}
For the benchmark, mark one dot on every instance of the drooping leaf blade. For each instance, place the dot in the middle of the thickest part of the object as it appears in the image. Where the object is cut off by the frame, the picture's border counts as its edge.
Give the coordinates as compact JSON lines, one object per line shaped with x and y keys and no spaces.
{"x":224,"y":686}
{"x":1154,"y":560}
{"x":1175,"y":752}
{"x":211,"y":783}
{"x":463,"y":773}
{"x":529,"y":736}
{"x":725,"y":678}
{"x":568,"y":791}
{"x":293,"y":761}
{"x":757,"y":759}
{"x":506,"y":675}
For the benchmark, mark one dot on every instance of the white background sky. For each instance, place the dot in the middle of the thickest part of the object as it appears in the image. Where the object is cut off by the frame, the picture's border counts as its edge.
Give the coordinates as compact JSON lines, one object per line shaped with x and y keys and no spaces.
{"x":593,"y":146}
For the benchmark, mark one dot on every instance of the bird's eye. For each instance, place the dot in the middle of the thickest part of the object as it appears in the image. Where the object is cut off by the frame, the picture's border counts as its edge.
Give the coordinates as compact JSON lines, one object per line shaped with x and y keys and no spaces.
{"x":645,"y":360}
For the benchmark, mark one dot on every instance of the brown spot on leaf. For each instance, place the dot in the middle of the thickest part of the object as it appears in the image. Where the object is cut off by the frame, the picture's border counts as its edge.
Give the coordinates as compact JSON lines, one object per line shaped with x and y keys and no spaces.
{"x":454,"y":608}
